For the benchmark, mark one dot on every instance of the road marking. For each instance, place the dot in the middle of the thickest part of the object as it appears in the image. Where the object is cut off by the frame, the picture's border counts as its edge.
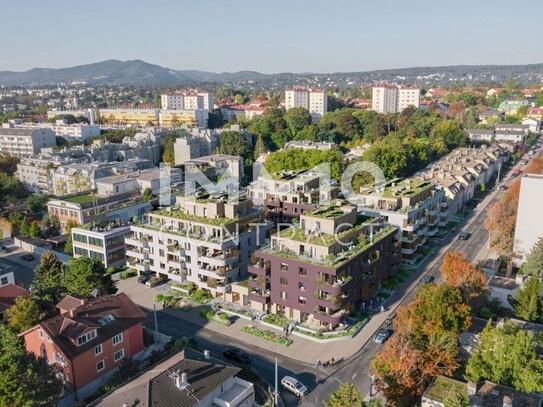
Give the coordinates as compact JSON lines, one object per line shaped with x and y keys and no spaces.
{"x":338,"y":380}
{"x":354,"y":375}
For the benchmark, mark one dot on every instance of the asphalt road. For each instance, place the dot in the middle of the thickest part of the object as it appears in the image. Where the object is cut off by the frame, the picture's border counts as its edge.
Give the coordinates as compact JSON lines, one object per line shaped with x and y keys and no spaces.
{"x":23,"y":271}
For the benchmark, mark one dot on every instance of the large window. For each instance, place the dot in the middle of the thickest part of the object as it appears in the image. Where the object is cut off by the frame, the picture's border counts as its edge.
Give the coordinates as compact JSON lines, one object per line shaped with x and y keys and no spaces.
{"x":118,"y":355}
{"x":87,"y":337}
{"x":81,"y":252}
{"x":96,"y":255}
{"x":96,"y":241}
{"x":117,"y":339}
{"x":79,"y":238}
{"x":100,"y":366}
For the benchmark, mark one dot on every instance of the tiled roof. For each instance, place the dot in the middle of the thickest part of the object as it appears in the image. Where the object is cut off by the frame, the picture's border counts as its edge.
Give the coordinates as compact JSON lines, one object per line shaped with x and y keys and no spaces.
{"x":156,"y":387}
{"x":69,"y":302}
{"x":9,"y":293}
{"x":62,"y":328}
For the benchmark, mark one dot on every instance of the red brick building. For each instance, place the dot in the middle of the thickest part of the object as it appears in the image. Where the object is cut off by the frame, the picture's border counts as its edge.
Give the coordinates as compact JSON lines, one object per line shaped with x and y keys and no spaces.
{"x":89,"y":338}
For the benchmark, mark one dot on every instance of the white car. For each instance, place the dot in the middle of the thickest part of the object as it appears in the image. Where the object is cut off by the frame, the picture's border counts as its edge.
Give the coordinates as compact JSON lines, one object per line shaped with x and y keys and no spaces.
{"x":294,"y":385}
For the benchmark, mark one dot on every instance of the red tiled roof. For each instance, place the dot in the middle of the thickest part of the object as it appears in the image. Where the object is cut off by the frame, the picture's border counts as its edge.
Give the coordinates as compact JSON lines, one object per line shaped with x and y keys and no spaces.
{"x":69,"y":303}
{"x":9,"y":293}
{"x":63,"y":328}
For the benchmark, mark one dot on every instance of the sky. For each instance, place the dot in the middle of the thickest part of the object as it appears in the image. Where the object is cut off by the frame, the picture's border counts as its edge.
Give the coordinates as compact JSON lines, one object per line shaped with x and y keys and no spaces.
{"x":271,"y":36}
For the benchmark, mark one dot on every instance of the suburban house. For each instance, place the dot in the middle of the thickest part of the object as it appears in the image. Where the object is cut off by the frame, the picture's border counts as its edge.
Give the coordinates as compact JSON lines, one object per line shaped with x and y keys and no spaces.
{"x":8,"y":294}
{"x":89,"y":338}
{"x":183,"y":381}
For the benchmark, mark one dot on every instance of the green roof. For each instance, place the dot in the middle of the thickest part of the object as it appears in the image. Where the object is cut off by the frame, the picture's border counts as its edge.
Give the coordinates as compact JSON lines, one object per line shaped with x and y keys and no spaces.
{"x":178,"y":214}
{"x":80,"y":199}
{"x":415,"y":186}
{"x":330,"y":211}
{"x":442,"y":386}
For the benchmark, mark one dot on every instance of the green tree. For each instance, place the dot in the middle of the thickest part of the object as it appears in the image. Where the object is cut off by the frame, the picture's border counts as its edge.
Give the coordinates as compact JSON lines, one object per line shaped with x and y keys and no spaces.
{"x":24,"y":314}
{"x":450,"y":133}
{"x":528,"y":304}
{"x":26,"y":380}
{"x":347,"y":395}
{"x":36,"y":203}
{"x":86,"y":274}
{"x":297,"y":119}
{"x":260,"y":147}
{"x":147,"y":194}
{"x":235,"y":143}
{"x":534,"y":260}
{"x":34,"y":230}
{"x":68,"y":247}
{"x":509,"y":356}
{"x":166,"y":146}
{"x":24,"y":227}
{"x":47,"y":285}
{"x":390,"y":157}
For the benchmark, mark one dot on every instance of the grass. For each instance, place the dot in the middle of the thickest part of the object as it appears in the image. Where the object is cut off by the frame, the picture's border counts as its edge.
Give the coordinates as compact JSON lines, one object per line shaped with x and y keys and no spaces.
{"x":442,"y":386}
{"x":80,"y":199}
{"x":267,"y":335}
{"x":193,"y":218}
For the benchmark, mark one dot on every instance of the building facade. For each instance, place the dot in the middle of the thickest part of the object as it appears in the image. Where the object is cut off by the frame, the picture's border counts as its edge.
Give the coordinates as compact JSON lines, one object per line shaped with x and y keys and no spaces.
{"x":187,"y":100}
{"x":394,"y":99}
{"x":529,"y":225}
{"x":21,"y":143}
{"x":194,"y":144}
{"x":103,"y":243}
{"x":314,"y":100}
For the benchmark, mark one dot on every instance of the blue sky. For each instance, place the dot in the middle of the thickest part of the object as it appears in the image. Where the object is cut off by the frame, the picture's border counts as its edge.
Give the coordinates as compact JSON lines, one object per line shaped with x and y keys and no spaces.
{"x":271,"y":36}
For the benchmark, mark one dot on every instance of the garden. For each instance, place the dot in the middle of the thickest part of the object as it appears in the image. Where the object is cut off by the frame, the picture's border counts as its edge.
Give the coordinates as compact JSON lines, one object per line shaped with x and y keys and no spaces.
{"x":219,"y":317}
{"x":267,"y":335}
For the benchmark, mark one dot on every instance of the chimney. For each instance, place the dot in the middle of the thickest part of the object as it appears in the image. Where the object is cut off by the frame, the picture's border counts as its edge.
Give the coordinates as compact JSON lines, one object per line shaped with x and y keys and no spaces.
{"x":181,"y":381}
{"x":471,"y":388}
{"x":507,"y":401}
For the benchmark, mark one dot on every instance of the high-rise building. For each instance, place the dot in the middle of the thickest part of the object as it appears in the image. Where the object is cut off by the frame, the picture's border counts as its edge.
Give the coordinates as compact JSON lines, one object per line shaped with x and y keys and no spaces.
{"x":20,"y":143}
{"x":314,"y":100}
{"x":187,"y":100}
{"x":394,"y":99}
{"x":529,"y":226}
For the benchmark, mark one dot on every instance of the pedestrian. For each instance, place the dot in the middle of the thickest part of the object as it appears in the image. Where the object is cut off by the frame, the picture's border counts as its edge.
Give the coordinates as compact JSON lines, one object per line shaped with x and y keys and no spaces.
{"x":318,"y":364}
{"x":382,"y":309}
{"x":332,"y":361}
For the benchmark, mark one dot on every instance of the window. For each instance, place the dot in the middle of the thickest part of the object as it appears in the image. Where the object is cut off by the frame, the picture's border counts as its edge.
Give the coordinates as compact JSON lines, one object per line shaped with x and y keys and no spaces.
{"x":98,"y":349}
{"x":4,"y":281}
{"x":87,"y":337}
{"x":302,"y":272}
{"x":301,"y":300}
{"x":100,"y":366}
{"x":118,"y":355}
{"x":40,"y":333}
{"x":301,"y":286}
{"x":284,"y":267}
{"x":49,"y":339}
{"x":283,"y":295}
{"x":283,"y":281}
{"x":117,"y":339}
{"x":43,"y":352}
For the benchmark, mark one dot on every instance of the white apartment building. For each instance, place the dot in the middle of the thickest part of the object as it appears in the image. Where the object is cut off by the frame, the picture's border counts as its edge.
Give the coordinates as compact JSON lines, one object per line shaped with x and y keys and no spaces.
{"x":314,"y":100}
{"x":61,"y":129}
{"x":394,"y":99}
{"x":137,"y":181}
{"x":529,"y":226}
{"x":22,"y":143}
{"x":103,"y":243}
{"x":197,"y":143}
{"x":187,"y":100}
{"x":204,"y":240}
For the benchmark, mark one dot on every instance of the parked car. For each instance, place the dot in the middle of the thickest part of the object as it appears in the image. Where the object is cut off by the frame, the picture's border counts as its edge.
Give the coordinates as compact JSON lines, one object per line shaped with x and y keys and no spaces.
{"x":294,"y":385}
{"x":27,"y":257}
{"x":143,"y":279}
{"x":4,"y":249}
{"x":464,"y":235}
{"x":236,"y":355}
{"x":426,"y":280}
{"x":503,"y":187}
{"x":381,"y":336}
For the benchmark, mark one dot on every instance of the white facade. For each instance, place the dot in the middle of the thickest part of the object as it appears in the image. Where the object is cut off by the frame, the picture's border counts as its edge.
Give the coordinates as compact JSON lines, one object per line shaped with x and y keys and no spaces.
{"x":104,"y":244}
{"x":187,"y":100}
{"x":529,"y":226}
{"x":315,"y":101}
{"x":21,"y":143}
{"x":394,"y":99}
{"x":198,"y":143}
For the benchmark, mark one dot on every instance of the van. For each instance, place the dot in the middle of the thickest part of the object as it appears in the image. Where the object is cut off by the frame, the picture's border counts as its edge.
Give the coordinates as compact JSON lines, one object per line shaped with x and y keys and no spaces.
{"x":294,"y":386}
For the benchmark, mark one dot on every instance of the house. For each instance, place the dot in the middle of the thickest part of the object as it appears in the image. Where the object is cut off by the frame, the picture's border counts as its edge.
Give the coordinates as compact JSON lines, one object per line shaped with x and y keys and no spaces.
{"x":510,"y":107}
{"x":487,"y":114}
{"x":6,"y":274}
{"x":534,"y":125}
{"x":88,"y":339}
{"x":480,"y":134}
{"x":183,"y":381}
{"x":535,"y":112}
{"x":8,"y":294}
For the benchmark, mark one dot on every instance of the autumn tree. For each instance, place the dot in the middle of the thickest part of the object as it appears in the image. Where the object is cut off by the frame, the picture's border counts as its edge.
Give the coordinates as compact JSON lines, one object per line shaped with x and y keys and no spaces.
{"x":24,"y":314}
{"x":464,"y":275}
{"x":529,"y":304}
{"x":509,"y":356}
{"x":500,"y":223}
{"x":534,"y":260}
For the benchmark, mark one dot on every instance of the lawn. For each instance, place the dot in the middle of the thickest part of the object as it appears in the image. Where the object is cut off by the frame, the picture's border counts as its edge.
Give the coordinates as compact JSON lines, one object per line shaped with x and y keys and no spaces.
{"x":80,"y":199}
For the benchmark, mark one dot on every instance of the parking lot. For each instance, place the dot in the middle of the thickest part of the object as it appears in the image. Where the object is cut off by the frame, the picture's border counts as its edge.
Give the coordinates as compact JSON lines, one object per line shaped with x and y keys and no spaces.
{"x":23,"y":270}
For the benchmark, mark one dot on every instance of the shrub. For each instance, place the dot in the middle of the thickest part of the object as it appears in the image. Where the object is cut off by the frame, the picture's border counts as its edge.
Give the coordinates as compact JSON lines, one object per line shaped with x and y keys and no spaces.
{"x":223,"y":317}
{"x":267,"y":335}
{"x":184,"y":341}
{"x":128,"y":274}
{"x":159,"y":298}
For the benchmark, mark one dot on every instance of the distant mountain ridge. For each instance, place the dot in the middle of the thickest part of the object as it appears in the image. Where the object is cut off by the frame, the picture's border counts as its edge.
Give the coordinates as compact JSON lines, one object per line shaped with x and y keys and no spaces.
{"x":137,"y":72}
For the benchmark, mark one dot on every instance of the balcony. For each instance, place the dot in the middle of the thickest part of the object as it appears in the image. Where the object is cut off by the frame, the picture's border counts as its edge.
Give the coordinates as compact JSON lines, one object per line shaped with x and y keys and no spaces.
{"x":410,"y":238}
{"x":262,"y":297}
{"x":259,"y":267}
{"x":131,"y":241}
{"x":329,"y":317}
{"x":260,"y":282}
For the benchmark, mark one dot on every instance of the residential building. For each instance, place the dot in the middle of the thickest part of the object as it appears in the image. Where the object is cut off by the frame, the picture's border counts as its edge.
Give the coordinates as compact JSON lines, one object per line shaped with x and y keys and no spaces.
{"x":190,"y":118}
{"x":89,"y":114}
{"x":394,"y":99}
{"x":103,"y":243}
{"x":510,"y":107}
{"x":21,"y":143}
{"x":534,"y":124}
{"x":8,"y":294}
{"x":203,"y":240}
{"x":6,"y":274}
{"x":89,"y":338}
{"x":290,"y":194}
{"x":183,"y":381}
{"x":187,"y":100}
{"x":535,"y":112}
{"x":419,"y":209}
{"x":156,"y":117}
{"x":309,"y":145}
{"x":491,"y":114}
{"x":61,"y":129}
{"x":316,"y":270}
{"x":194,"y":144}
{"x":515,"y":133}
{"x":314,"y":100}
{"x":241,"y":111}
{"x":483,"y":394}
{"x":529,"y":225}
{"x":86,"y":208}
{"x":216,"y":165}
{"x":138,"y":181}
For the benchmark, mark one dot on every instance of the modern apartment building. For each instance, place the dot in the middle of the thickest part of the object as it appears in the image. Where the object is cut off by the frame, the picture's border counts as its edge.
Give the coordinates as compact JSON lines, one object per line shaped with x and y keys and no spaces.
{"x":309,"y":145}
{"x":195,"y":144}
{"x":203,"y":240}
{"x":187,"y":100}
{"x":216,"y":165}
{"x":89,"y":338}
{"x":514,"y":133}
{"x":417,"y":208}
{"x":314,"y":100}
{"x":320,"y":267}
{"x":139,"y":181}
{"x":20,"y":143}
{"x":156,"y":117}
{"x":103,"y":243}
{"x":529,"y":225}
{"x":394,"y":99}
{"x":287,"y":196}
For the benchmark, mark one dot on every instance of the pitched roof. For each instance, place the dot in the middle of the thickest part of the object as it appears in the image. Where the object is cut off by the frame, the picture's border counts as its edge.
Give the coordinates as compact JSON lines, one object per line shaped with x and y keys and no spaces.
{"x":157,"y":388}
{"x":69,"y":303}
{"x":9,"y":293}
{"x":64,"y":329}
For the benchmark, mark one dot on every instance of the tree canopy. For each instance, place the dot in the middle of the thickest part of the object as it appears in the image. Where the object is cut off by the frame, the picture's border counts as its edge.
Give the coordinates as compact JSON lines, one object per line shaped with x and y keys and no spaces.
{"x":347,"y":395}
{"x":534,"y":260}
{"x":464,"y":275}
{"x":86,"y":274}
{"x":24,"y":314}
{"x":528,"y":303}
{"x":235,"y":143}
{"x":47,"y":285}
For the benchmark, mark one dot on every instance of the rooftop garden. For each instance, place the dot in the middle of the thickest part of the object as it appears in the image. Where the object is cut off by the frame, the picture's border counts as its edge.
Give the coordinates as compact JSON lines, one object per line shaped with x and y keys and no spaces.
{"x":81,"y":199}
{"x":179,"y":214}
{"x":332,"y":211}
{"x":404,"y":188}
{"x":442,"y":386}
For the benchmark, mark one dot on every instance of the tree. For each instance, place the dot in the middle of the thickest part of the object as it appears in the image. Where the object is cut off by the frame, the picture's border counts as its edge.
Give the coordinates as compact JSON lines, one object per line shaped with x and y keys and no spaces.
{"x":34,"y":230}
{"x":451,"y":133}
{"x":509,"y":356}
{"x":36,"y":203}
{"x":147,"y":194}
{"x":85,"y":275}
{"x":26,"y":380}
{"x":455,"y":398}
{"x":235,"y":143}
{"x":528,"y":304}
{"x":464,"y":275}
{"x":347,"y":395}
{"x":47,"y":285}
{"x":260,"y":147}
{"x":68,"y":247}
{"x":24,"y":314}
{"x":297,"y":119}
{"x":24,"y":227}
{"x":534,"y":260}
{"x":390,"y":157}
{"x":166,"y":144}
{"x":500,"y":223}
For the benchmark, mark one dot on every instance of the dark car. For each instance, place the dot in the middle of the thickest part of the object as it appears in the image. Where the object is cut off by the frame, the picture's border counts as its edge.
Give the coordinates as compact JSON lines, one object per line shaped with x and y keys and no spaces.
{"x":503,"y":187}
{"x":236,"y":355}
{"x":4,"y":249}
{"x":143,"y":279}
{"x":381,"y":336}
{"x":426,"y":280}
{"x":464,"y":235}
{"x":27,"y":257}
